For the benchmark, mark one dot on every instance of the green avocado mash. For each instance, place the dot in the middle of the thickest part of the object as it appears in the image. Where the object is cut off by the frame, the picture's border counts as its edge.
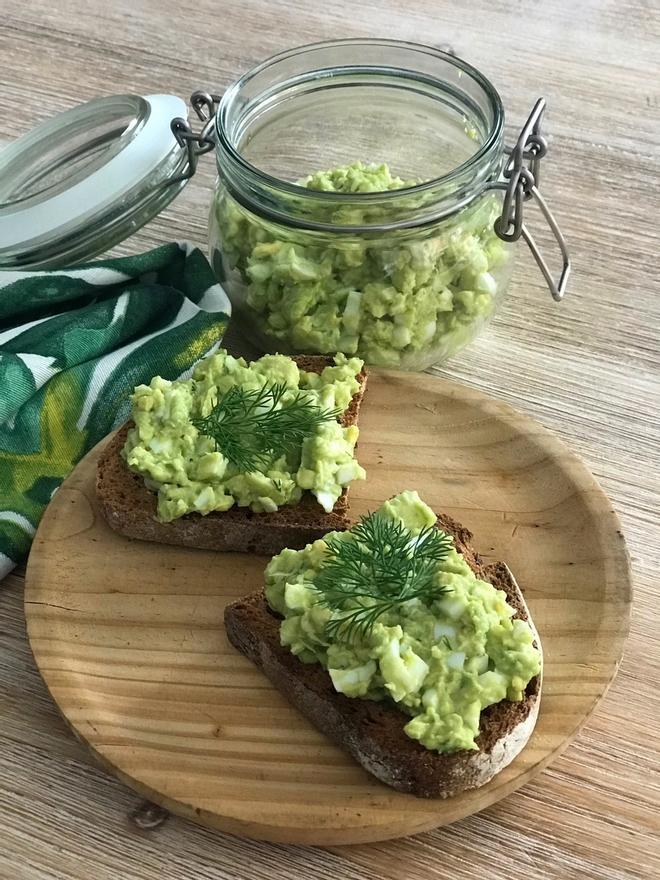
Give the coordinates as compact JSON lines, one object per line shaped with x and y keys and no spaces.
{"x":190,"y":474}
{"x":441,"y":658}
{"x":403,"y":299}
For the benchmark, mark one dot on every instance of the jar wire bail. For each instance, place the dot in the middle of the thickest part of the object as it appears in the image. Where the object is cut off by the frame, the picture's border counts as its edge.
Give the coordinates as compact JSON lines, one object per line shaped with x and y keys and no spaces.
{"x":196,"y":143}
{"x":521,"y":184}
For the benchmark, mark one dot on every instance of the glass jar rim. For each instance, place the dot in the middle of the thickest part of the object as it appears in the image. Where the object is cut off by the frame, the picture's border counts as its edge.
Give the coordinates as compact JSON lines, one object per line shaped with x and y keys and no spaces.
{"x":491,"y":141}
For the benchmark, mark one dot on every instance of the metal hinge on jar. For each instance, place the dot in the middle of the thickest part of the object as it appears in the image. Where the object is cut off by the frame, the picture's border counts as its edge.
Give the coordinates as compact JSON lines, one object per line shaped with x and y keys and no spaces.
{"x":521,"y":184}
{"x":196,"y":143}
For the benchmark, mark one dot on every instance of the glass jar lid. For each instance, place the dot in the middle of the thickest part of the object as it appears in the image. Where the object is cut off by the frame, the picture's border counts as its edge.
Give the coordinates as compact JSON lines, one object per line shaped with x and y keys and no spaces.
{"x":86,"y":179}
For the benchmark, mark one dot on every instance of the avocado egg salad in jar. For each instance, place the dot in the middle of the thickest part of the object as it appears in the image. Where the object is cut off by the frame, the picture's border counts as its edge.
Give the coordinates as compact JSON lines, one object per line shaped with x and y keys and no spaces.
{"x":397,"y":300}
{"x":252,"y":435}
{"x":358,"y":194}
{"x":394,"y":613}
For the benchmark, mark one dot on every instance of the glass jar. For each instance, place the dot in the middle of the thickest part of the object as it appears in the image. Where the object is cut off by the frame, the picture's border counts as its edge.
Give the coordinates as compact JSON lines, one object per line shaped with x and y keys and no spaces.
{"x":365,"y":200}
{"x":359,"y":187}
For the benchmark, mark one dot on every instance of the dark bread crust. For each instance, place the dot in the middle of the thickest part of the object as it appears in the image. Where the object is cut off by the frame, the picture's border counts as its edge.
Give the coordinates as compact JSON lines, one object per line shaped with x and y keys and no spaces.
{"x":130,"y":508}
{"x":372,"y":732}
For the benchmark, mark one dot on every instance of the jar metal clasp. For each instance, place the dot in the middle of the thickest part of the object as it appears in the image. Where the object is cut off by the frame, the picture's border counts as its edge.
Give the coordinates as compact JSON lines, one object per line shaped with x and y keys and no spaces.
{"x":196,"y":143}
{"x":521,"y":184}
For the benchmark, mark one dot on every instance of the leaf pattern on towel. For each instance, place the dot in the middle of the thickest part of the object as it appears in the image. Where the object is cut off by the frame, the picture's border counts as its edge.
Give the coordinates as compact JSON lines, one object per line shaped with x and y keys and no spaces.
{"x":73,"y":345}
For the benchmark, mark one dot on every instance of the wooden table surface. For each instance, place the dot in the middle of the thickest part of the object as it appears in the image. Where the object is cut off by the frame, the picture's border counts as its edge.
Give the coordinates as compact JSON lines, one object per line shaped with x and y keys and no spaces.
{"x":588,"y":369}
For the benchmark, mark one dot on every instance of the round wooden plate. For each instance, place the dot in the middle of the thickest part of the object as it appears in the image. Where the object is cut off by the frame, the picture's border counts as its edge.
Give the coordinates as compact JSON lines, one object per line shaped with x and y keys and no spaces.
{"x":130,"y":640}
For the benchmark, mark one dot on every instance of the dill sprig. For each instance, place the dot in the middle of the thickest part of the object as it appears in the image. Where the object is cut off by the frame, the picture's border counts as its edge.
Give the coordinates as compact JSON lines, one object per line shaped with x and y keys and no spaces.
{"x":253,"y":427}
{"x":382,"y":566}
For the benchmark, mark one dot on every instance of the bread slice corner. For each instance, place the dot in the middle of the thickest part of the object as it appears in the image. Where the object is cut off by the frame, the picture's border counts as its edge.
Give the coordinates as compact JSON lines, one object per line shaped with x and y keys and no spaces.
{"x":129,"y":507}
{"x":372,"y":732}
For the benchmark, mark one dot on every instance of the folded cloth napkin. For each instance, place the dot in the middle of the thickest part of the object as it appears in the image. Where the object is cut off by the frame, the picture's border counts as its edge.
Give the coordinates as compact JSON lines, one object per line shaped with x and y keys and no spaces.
{"x":73,"y":344}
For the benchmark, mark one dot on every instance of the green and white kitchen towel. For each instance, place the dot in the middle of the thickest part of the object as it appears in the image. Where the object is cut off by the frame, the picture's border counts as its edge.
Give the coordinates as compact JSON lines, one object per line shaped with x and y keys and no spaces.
{"x":73,"y":344}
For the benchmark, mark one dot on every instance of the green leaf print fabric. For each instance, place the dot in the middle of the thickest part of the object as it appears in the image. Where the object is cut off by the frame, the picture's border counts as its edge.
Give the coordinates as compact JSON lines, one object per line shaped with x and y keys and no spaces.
{"x":73,"y":344}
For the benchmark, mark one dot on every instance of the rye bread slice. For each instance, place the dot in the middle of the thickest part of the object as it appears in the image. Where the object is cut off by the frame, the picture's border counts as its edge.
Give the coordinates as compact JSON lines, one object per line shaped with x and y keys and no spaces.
{"x":372,"y":732}
{"x":130,"y":508}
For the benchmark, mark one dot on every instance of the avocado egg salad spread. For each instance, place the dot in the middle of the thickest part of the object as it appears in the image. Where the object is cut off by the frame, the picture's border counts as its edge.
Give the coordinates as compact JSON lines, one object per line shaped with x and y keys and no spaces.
{"x":392,"y":299}
{"x":393,"y":612}
{"x":254,"y":435}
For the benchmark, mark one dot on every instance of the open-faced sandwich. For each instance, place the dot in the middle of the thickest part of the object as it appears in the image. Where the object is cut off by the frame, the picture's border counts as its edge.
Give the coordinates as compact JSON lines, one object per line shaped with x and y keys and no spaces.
{"x":246,"y":457}
{"x":399,"y":643}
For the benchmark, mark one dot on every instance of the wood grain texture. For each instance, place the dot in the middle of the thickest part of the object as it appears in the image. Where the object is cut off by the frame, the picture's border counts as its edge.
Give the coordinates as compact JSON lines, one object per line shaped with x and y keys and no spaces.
{"x":135,"y":653}
{"x":587,"y":369}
